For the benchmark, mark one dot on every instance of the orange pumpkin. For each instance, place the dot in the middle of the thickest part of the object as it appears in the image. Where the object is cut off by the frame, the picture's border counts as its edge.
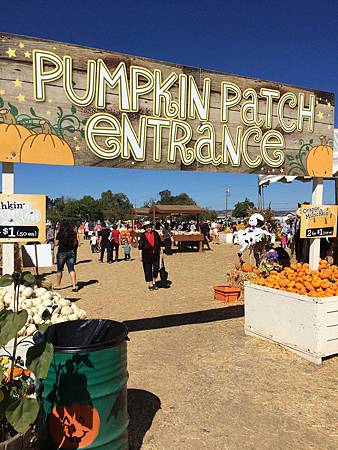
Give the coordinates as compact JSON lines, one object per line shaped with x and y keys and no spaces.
{"x":74,"y":426}
{"x":246,"y":267}
{"x":12,"y":137}
{"x":46,"y":148}
{"x":319,"y":161}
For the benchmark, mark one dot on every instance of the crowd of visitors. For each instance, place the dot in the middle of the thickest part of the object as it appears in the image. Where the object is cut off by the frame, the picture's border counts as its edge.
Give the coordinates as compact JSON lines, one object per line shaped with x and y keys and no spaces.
{"x":113,"y":242}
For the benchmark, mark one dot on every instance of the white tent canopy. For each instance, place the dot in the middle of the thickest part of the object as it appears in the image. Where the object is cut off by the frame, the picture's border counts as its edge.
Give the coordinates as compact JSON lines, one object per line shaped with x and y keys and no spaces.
{"x":267,"y":179}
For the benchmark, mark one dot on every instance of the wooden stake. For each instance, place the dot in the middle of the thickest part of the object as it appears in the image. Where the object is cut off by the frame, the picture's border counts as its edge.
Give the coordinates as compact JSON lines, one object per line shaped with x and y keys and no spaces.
{"x":317,"y":199}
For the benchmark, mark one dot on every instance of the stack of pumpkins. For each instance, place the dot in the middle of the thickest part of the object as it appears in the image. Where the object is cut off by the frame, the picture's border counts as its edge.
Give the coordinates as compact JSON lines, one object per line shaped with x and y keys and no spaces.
{"x":300,"y":279}
{"x":42,"y":306}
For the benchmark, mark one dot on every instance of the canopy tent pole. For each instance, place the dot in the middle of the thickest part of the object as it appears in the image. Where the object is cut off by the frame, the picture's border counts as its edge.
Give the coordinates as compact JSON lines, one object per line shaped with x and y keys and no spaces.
{"x":317,"y":199}
{"x":7,"y":188}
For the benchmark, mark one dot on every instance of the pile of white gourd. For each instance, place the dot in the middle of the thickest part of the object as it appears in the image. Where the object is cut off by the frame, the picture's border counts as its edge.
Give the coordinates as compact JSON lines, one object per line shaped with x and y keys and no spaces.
{"x":42,"y":306}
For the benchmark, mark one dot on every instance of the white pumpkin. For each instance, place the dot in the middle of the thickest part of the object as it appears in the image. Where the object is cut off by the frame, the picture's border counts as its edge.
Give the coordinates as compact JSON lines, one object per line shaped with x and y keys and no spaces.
{"x":36,"y":301}
{"x":46,"y":296}
{"x":31,"y":329}
{"x":27,"y":292}
{"x":82,"y":314}
{"x":73,"y":316}
{"x":54,"y":318}
{"x":27,"y":303}
{"x":66,"y":311}
{"x":60,"y":320}
{"x":37,"y":319}
{"x":40,"y":291}
{"x":63,"y":302}
{"x":47,"y":302}
{"x":22,"y":331}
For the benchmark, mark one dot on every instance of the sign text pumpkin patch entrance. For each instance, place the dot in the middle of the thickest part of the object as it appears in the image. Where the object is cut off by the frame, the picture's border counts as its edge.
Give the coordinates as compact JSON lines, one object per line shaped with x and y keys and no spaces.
{"x":64,"y":104}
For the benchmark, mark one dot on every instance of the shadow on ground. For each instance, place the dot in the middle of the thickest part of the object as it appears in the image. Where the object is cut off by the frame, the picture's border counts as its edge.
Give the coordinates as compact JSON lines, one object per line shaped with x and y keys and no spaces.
{"x":83,"y":261}
{"x":176,"y":320}
{"x":82,"y":284}
{"x":142,"y":408}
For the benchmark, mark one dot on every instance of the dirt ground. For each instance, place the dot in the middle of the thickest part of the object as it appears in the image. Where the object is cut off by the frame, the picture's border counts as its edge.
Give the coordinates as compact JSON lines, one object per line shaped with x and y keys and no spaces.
{"x":196,"y":381}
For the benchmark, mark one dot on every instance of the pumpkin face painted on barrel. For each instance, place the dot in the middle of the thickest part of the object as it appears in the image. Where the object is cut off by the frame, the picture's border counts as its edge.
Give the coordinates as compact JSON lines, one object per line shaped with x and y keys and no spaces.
{"x":319,"y":162}
{"x":12,"y":136}
{"x":74,"y":426}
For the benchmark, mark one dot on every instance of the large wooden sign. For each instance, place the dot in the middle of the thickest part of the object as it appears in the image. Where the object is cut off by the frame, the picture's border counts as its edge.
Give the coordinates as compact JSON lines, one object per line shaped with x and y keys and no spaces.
{"x":318,"y":221}
{"x":22,"y":218}
{"x":65,"y":104}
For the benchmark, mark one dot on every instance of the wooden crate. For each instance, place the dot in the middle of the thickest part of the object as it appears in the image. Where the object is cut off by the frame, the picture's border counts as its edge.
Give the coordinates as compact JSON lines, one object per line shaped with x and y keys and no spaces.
{"x":305,"y":325}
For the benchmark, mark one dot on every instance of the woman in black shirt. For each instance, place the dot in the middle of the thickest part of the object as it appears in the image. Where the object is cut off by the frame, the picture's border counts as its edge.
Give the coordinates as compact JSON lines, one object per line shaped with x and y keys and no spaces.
{"x":150,"y":247}
{"x":66,"y":243}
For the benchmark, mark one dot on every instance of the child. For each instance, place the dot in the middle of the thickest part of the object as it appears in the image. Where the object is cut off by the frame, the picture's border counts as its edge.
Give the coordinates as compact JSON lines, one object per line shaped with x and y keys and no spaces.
{"x":127,"y":249}
{"x":93,"y":243}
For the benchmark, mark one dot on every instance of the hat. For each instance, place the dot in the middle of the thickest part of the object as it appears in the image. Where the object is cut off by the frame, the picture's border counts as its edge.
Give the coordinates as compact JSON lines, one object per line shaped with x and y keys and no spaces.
{"x":147,"y":224}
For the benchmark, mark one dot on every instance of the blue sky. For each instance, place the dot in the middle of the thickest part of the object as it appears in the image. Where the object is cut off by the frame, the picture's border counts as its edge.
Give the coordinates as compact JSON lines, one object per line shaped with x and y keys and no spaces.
{"x":293,"y":42}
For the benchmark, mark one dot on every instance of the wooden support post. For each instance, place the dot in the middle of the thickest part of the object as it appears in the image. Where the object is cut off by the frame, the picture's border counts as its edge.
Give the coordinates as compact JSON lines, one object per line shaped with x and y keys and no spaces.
{"x":7,"y":188}
{"x":317,"y":199}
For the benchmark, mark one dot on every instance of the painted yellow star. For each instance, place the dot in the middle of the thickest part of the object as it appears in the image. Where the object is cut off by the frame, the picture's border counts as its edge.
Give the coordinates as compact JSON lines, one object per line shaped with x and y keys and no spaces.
{"x":75,"y":138}
{"x":282,"y":170}
{"x":320,"y":115}
{"x":48,"y":113}
{"x":2,"y":92}
{"x":27,"y":54}
{"x":21,"y":45}
{"x":20,"y":98}
{"x":10,"y":52}
{"x":17,"y":83}
{"x":77,"y":148}
{"x":50,"y":100}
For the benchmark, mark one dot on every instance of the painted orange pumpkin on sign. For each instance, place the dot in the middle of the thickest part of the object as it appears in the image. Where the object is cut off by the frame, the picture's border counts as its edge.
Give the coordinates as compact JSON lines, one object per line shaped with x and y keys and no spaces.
{"x":320,"y":160}
{"x":74,"y":426}
{"x":46,"y":148}
{"x":12,"y":136}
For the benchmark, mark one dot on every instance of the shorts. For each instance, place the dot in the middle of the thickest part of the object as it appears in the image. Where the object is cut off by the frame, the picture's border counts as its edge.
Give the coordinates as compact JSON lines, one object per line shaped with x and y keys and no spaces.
{"x":67,"y":258}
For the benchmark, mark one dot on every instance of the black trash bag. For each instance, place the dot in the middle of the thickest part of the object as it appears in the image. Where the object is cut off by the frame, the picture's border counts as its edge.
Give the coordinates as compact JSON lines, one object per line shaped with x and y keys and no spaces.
{"x":163,"y":272}
{"x":86,"y":335}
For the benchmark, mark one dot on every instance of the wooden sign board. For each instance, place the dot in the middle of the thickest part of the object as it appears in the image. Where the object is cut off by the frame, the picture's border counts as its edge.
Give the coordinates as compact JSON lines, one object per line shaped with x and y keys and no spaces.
{"x":318,"y":221}
{"x":22,"y":218}
{"x":70,"y":105}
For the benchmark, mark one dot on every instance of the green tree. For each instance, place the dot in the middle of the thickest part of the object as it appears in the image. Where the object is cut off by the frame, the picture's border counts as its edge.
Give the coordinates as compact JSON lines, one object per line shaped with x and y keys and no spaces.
{"x":166,"y":198}
{"x":241,"y":209}
{"x":115,"y":206}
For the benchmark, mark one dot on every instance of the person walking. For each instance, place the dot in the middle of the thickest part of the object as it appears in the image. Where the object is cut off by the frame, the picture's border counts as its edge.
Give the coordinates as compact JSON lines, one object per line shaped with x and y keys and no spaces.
{"x":93,"y":243}
{"x":115,"y":243}
{"x":150,"y":248}
{"x":86,"y":230}
{"x":205,"y":230}
{"x":104,"y":243}
{"x":166,"y":238}
{"x":66,"y":244}
{"x":50,"y":239}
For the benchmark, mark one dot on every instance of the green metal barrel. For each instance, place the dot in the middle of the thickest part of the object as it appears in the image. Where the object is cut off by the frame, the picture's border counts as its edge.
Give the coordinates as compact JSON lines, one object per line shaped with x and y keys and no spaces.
{"x":85,"y":392}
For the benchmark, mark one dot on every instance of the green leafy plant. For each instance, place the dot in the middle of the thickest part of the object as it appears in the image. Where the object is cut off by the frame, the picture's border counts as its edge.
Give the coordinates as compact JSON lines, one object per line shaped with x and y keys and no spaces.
{"x":19,"y":405}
